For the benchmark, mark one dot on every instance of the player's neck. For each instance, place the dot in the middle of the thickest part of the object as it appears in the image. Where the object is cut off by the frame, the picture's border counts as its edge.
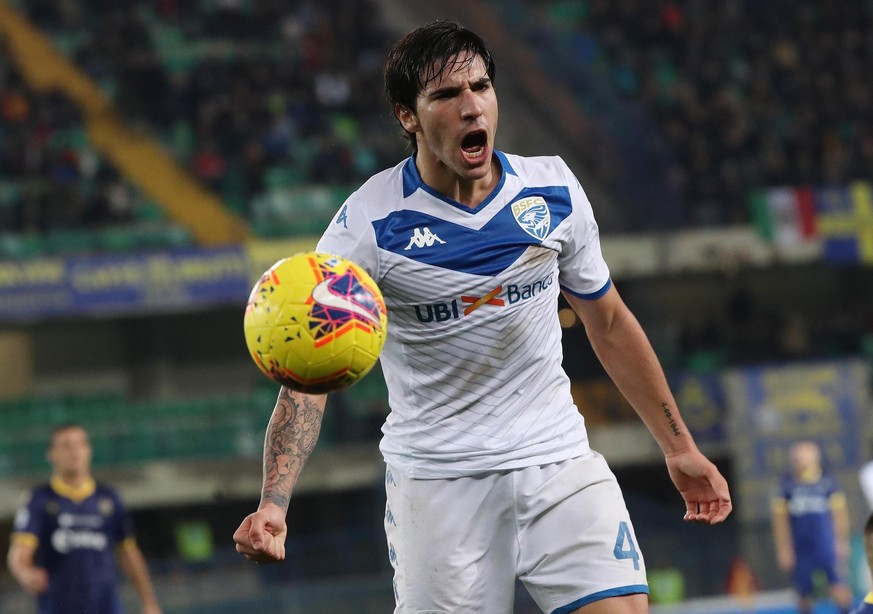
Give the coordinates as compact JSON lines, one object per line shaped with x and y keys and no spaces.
{"x":73,"y":480}
{"x":77,"y":487}
{"x":466,"y":191}
{"x":810,"y":474}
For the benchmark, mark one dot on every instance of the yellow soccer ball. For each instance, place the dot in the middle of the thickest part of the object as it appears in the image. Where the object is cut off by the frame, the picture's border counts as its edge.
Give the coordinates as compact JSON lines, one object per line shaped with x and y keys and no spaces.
{"x":315,"y":322}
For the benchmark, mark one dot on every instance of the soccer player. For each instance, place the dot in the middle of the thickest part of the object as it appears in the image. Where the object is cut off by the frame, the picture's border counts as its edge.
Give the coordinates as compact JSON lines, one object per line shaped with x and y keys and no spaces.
{"x":811,"y":527}
{"x":866,"y":606}
{"x":489,"y":473}
{"x":66,"y":534}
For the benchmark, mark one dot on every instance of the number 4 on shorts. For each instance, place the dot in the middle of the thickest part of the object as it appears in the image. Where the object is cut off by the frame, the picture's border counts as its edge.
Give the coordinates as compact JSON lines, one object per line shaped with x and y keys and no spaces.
{"x":626,"y":540}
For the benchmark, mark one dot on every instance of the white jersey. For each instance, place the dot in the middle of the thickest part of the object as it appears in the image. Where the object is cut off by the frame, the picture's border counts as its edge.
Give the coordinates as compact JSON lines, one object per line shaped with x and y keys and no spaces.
{"x":473,"y":354}
{"x":865,"y":476}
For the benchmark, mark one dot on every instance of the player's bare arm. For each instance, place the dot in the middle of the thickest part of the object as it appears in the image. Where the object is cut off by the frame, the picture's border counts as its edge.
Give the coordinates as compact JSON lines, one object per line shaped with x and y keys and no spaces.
{"x":629,"y":359}
{"x":782,"y":535}
{"x":291,"y":436}
{"x":33,"y":579}
{"x":132,"y":561}
{"x":842,"y":524}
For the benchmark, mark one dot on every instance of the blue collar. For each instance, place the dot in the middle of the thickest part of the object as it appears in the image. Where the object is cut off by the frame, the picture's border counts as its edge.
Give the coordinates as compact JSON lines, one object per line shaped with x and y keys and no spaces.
{"x":412,"y":181}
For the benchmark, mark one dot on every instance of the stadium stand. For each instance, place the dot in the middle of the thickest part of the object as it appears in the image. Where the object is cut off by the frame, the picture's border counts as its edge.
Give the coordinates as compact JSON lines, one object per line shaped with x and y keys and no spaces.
{"x":741,"y":94}
{"x":257,"y":100}
{"x":56,"y":194}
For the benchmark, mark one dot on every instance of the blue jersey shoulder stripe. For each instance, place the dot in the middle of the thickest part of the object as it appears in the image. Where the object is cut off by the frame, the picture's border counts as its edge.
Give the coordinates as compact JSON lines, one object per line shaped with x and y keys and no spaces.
{"x":486,"y":251}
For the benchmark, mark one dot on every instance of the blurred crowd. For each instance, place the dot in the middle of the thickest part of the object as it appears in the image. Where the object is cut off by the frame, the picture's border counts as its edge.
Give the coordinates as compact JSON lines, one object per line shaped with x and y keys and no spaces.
{"x":49,"y":177}
{"x":748,"y":93}
{"x":251,"y":97}
{"x":259,"y":98}
{"x":747,"y":328}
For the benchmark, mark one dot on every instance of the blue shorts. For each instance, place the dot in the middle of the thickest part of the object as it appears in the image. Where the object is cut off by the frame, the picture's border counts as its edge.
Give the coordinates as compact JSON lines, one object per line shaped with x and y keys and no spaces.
{"x":806,"y":567}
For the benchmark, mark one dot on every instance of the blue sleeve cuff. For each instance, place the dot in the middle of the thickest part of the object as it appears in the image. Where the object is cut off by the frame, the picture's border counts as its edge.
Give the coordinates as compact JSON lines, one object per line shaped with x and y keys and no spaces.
{"x":591,"y":296}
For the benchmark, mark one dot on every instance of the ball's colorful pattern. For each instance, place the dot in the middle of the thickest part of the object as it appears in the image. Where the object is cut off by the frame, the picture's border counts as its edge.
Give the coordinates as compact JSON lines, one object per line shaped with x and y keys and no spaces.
{"x":315,"y":322}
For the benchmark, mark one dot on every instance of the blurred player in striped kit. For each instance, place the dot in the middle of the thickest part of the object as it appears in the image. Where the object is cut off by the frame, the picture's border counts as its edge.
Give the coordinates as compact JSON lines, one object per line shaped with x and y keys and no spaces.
{"x":489,"y":477}
{"x":811,"y":527}
{"x":70,"y":533}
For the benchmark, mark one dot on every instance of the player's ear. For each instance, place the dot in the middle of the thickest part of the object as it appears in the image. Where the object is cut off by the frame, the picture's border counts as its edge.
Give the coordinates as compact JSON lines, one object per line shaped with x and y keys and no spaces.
{"x":407,"y":118}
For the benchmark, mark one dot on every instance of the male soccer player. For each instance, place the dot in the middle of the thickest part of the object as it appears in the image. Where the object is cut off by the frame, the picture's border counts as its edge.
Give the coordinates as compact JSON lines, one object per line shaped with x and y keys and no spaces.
{"x":866,"y":606}
{"x":489,"y":473}
{"x":811,"y":526}
{"x":67,"y":533}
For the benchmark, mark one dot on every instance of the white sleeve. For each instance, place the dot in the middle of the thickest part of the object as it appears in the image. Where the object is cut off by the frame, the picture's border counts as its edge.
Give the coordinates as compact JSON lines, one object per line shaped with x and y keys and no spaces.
{"x":866,"y":478}
{"x":351,"y":235}
{"x":583,"y":271}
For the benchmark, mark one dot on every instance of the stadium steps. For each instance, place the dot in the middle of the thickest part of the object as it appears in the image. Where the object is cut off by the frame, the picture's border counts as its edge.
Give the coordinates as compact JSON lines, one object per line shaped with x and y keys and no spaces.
{"x":132,"y":432}
{"x":137,"y":155}
{"x":289,"y":208}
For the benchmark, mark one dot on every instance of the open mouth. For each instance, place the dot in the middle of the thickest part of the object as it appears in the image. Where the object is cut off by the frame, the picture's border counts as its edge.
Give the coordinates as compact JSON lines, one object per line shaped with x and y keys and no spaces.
{"x":474,"y":144}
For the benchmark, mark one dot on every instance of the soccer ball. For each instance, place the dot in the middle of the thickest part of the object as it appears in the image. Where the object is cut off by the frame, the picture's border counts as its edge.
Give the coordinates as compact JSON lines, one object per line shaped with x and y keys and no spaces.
{"x":315,"y":322}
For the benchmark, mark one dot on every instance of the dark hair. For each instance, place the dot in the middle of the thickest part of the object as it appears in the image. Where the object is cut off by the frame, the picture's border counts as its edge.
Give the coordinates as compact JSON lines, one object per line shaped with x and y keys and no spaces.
{"x":422,"y":56}
{"x":868,"y":528}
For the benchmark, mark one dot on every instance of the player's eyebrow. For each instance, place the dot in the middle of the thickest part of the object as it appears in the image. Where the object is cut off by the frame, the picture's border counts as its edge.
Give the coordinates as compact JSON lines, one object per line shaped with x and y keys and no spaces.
{"x":453,"y":90}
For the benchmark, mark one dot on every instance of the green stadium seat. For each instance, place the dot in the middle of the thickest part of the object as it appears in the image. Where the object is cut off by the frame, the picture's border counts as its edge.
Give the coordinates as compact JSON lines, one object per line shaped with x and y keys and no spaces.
{"x":16,"y":248}
{"x":278,"y":177}
{"x":123,"y":431}
{"x":69,"y":241}
{"x":150,"y":211}
{"x":118,"y":240}
{"x":233,"y":190}
{"x":182,"y":141}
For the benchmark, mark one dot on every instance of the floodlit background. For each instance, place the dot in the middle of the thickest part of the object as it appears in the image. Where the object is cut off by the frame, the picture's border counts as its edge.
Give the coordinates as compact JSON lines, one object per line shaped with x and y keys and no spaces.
{"x":157,"y":155}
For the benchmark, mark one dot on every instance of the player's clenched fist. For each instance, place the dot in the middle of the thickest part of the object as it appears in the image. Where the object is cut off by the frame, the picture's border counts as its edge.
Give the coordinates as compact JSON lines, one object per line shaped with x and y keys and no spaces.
{"x":261,"y":536}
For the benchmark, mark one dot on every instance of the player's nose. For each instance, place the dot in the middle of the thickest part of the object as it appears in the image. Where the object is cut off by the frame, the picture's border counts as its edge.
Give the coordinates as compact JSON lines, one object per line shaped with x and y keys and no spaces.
{"x":471,"y":106}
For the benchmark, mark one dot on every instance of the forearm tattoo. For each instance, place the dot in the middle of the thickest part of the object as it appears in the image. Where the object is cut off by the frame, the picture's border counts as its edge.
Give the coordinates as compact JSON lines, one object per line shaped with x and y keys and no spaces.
{"x":670,"y":419}
{"x":291,"y":437}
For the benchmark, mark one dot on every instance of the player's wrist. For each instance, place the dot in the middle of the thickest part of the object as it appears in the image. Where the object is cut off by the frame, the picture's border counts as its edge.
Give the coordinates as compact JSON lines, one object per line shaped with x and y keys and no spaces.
{"x":272,"y":502}
{"x":680,"y":445}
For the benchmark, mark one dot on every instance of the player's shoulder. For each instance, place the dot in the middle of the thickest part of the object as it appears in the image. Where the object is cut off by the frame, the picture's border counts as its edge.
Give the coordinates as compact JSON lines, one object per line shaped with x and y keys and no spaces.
{"x":537,"y":169}
{"x":102,"y":489}
{"x":381,"y":193}
{"x":831,"y":481}
{"x":786,"y":483}
{"x":40,"y":492}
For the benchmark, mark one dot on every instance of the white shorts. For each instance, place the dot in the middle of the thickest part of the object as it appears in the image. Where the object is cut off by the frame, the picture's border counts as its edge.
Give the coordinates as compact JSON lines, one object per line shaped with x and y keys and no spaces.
{"x":458,"y":545}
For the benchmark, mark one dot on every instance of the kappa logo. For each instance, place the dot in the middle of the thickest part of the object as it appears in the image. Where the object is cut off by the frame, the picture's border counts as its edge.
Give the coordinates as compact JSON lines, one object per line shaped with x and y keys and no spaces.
{"x":532,"y":214}
{"x":423,"y":238}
